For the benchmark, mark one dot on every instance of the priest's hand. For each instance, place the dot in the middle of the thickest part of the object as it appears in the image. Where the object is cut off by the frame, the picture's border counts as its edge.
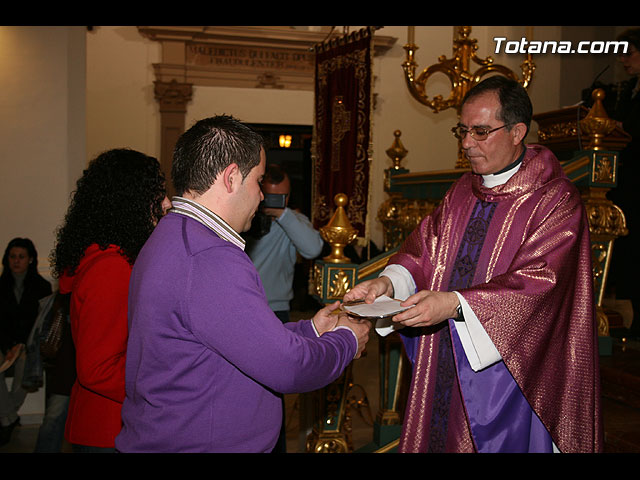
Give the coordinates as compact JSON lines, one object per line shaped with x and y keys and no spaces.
{"x":430,"y":308}
{"x":369,"y":290}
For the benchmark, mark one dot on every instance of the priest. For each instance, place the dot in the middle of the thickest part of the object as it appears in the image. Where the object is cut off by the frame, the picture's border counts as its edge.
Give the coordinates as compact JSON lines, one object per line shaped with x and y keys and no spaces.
{"x":501,"y":331}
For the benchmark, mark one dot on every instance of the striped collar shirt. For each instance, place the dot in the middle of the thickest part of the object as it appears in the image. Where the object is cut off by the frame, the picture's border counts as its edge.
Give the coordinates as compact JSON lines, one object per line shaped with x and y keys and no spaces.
{"x":200,"y":213}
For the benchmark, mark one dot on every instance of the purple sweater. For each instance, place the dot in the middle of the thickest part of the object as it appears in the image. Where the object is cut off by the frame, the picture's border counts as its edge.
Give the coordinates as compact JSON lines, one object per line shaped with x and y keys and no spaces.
{"x":206,"y":357}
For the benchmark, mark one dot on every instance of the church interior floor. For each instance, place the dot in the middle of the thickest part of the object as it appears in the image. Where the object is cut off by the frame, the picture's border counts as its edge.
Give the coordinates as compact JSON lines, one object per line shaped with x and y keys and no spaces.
{"x":620,"y":404}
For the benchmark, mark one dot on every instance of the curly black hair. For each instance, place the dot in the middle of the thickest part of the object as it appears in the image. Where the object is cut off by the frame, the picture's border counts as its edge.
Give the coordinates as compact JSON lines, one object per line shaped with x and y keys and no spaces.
{"x":117,"y":201}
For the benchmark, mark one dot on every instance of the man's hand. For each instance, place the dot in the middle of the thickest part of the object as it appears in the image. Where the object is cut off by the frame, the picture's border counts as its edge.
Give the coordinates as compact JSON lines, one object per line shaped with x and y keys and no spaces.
{"x":360,"y":327}
{"x":326,"y":319}
{"x":430,"y":309}
{"x":369,"y":290}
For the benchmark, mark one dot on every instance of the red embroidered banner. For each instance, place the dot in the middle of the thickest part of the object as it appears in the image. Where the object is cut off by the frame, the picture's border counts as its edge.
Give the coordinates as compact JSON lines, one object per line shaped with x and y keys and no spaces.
{"x":342,"y":131}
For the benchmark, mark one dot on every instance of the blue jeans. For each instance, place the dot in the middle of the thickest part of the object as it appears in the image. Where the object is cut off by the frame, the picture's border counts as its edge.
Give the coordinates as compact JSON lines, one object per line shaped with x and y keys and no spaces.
{"x":12,"y":400}
{"x":51,"y":433}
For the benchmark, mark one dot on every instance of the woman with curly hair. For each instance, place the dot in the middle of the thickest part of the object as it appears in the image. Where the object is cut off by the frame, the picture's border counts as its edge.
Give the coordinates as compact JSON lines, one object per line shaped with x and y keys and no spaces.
{"x":117,"y":203}
{"x":21,"y":288}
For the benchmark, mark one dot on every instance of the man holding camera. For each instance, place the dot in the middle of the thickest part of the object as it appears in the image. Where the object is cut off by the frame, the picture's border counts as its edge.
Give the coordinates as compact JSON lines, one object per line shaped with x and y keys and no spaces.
{"x":278,"y":234}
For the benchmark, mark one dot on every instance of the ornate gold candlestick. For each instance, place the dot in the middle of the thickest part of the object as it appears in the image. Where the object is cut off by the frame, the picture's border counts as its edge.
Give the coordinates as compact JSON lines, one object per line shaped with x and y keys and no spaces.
{"x":396,"y":152}
{"x":338,"y":232}
{"x":597,"y":123}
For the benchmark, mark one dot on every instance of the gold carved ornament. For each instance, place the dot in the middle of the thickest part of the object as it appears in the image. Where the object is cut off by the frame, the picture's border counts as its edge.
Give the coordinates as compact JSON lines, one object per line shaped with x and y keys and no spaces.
{"x":335,"y":281}
{"x":398,"y":215}
{"x":605,"y":217}
{"x":606,"y":220}
{"x":338,"y":232}
{"x":340,"y":285}
{"x":606,"y":223}
{"x":597,"y":124}
{"x":457,"y":68}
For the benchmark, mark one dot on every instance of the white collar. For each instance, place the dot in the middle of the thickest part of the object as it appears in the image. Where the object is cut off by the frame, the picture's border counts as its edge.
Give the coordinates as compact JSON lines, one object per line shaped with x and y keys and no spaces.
{"x":493,"y":180}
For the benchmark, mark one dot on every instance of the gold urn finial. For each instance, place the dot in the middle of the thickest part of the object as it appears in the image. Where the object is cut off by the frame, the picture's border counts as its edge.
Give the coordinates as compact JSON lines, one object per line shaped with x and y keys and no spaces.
{"x":597,"y":123}
{"x":396,"y":151}
{"x":338,"y":232}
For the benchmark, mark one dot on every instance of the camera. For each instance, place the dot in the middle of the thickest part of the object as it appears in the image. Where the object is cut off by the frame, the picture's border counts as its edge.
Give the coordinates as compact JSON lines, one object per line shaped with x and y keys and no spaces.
{"x":274,"y":200}
{"x":260,"y":226}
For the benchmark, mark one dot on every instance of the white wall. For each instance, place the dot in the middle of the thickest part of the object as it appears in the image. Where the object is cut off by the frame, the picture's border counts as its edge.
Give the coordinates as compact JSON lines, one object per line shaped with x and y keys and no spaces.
{"x":121,"y":109}
{"x":257,"y":105}
{"x":42,"y":142}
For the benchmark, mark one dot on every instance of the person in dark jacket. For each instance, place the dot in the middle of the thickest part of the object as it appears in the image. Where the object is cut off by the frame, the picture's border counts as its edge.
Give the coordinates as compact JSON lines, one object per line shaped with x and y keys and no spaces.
{"x":627,"y":113}
{"x":21,"y":288}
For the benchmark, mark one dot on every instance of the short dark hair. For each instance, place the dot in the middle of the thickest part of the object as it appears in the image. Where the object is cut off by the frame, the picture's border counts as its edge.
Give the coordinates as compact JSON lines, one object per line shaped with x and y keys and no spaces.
{"x":274,"y":174}
{"x":515,"y":104}
{"x":210,"y":146}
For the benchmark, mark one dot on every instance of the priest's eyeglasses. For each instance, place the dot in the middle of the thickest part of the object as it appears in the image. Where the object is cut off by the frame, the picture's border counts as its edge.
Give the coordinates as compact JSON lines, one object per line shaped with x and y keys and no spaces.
{"x":479,"y":134}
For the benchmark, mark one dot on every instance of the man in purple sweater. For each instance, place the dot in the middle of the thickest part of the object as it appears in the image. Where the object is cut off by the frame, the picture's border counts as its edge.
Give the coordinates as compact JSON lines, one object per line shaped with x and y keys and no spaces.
{"x":207,"y":358}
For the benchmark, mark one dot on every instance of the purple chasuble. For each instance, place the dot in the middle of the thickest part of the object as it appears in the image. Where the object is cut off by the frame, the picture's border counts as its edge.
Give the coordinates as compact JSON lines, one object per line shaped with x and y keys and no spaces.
{"x":530,"y":283}
{"x":500,"y":417}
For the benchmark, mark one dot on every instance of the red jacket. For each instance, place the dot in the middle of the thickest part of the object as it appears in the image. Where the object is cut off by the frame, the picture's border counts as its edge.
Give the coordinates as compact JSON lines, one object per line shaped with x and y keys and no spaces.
{"x":99,"y":327}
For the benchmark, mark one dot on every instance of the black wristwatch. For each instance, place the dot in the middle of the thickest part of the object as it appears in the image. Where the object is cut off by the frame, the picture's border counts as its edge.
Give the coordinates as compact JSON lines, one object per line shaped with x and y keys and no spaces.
{"x":459,"y":315}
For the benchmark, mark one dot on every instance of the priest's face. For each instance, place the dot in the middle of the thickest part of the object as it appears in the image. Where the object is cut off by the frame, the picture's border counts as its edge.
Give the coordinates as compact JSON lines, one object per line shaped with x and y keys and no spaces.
{"x":501,"y":147}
